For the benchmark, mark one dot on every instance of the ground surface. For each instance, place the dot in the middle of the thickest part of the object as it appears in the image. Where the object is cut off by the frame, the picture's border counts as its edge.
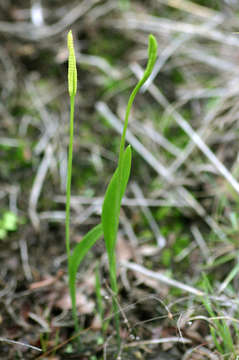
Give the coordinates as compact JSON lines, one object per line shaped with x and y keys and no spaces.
{"x":177,"y":247}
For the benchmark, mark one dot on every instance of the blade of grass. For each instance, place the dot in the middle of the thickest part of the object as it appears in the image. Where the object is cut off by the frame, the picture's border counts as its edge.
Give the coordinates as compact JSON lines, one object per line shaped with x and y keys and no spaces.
{"x":229,"y":278}
{"x":221,"y":331}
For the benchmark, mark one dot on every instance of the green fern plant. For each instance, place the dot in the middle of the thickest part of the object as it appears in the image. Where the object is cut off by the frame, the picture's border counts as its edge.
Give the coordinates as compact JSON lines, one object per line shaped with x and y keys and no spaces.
{"x":114,"y":193}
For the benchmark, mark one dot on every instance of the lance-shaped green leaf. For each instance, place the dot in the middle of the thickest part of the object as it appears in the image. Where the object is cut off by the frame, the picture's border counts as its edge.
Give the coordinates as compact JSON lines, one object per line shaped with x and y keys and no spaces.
{"x":112,"y":201}
{"x":117,"y":186}
{"x":77,"y":256}
{"x":72,"y":71}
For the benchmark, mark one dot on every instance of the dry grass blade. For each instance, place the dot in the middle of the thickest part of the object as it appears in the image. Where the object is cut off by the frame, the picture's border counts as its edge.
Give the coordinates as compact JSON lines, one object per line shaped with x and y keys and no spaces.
{"x":194,"y":136}
{"x":37,"y":186}
{"x":162,"y":278}
{"x":191,"y":7}
{"x":160,"y":239}
{"x":172,"y":339}
{"x":13,"y":342}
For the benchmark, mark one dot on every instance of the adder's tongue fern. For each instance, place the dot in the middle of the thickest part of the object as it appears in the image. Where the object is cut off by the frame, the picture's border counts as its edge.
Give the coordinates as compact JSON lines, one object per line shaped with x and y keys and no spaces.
{"x":80,"y":250}
{"x":114,"y":193}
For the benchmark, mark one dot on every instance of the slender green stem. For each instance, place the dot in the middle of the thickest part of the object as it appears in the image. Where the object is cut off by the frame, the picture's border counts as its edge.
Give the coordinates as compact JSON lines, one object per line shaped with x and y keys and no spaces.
{"x":152,"y":55}
{"x":68,"y":203}
{"x":74,"y":309}
{"x":113,"y":267}
{"x":69,"y":173}
{"x":72,"y":88}
{"x":114,"y":287}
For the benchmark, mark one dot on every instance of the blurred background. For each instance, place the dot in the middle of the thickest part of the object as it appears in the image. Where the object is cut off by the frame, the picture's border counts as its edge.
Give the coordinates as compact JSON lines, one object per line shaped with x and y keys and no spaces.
{"x":180,"y":213}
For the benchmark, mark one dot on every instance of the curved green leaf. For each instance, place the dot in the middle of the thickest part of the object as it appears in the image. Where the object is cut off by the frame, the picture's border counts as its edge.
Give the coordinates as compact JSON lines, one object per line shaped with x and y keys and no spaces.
{"x":112,"y":201}
{"x":78,"y":255}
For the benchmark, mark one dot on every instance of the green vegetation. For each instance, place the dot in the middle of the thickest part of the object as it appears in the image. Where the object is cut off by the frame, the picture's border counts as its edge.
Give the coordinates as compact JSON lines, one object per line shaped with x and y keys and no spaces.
{"x":8,"y":222}
{"x":122,"y":267}
{"x":220,"y":330}
{"x":114,"y":193}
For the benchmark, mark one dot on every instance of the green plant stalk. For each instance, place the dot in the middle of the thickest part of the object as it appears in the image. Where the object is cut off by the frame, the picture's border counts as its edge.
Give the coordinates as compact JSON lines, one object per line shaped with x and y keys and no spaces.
{"x":114,"y":287}
{"x":99,"y":302}
{"x":99,"y":299}
{"x":68,"y":200}
{"x":220,"y":329}
{"x":80,"y":250}
{"x":109,"y":219}
{"x":77,"y":256}
{"x":113,"y":196}
{"x":152,"y":55}
{"x":72,"y":88}
{"x":69,"y":175}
